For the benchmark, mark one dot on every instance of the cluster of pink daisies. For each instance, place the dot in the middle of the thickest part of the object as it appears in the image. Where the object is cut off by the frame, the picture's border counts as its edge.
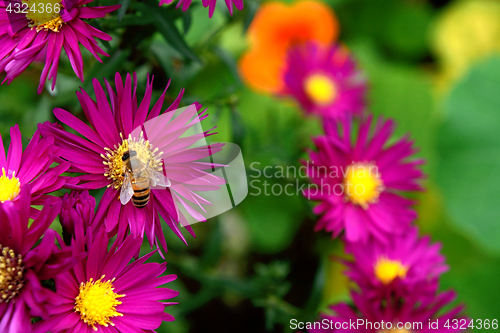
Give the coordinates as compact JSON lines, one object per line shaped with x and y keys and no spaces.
{"x":76,"y":283}
{"x":361,"y":173}
{"x":94,"y":288}
{"x":395,"y":271}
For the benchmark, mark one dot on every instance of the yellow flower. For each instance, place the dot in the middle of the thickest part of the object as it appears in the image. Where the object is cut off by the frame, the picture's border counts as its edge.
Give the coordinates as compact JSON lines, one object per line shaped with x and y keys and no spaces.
{"x":466,"y":32}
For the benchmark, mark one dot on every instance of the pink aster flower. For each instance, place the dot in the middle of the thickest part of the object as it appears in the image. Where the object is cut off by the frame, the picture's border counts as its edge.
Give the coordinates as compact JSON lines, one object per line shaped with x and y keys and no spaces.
{"x":106,"y":292}
{"x":206,"y":3}
{"x":406,"y":264}
{"x":120,"y":129}
{"x":24,"y":263}
{"x":31,"y":166}
{"x":391,"y":316}
{"x":77,"y":208}
{"x":359,"y":183}
{"x":28,"y":35}
{"x":325,"y":81}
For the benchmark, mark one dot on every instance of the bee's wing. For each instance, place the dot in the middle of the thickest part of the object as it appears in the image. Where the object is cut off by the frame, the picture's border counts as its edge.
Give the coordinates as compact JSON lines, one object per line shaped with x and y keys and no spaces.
{"x":158,"y":179}
{"x":127,"y":192}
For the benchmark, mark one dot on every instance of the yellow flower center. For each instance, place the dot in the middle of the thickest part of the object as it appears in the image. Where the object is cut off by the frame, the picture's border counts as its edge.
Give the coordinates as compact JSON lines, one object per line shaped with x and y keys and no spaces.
{"x":11,"y":274}
{"x":320,"y":89}
{"x":96,"y":303}
{"x":387,"y":270}
{"x":115,"y":166}
{"x":9,"y":187}
{"x":362,"y":184}
{"x":43,"y":14}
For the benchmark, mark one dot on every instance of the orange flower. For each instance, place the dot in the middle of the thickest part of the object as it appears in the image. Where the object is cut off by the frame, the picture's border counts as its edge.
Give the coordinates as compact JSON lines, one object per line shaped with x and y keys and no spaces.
{"x":277,"y":27}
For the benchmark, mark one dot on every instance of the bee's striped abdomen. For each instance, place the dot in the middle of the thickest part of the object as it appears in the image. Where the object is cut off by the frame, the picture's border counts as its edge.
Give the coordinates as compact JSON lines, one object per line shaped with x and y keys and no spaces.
{"x":141,"y":193}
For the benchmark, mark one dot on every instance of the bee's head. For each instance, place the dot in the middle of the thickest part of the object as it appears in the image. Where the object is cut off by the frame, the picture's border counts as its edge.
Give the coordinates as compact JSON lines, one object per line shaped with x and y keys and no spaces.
{"x":129,"y":154}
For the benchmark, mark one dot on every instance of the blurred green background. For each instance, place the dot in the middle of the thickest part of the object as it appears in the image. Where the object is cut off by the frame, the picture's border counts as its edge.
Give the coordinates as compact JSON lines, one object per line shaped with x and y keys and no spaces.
{"x":434,"y":66}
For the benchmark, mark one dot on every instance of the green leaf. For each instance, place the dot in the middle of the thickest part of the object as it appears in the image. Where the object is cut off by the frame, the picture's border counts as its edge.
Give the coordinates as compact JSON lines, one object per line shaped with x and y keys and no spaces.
{"x":127,"y":20}
{"x":107,"y":68}
{"x":472,"y":273}
{"x":204,"y":29}
{"x":187,"y":19}
{"x":469,"y":148}
{"x":272,"y":228}
{"x":165,"y":25}
{"x":398,"y":28}
{"x":229,"y":61}
{"x":123,"y":9}
{"x":17,"y":99}
{"x":251,"y":8}
{"x":406,"y":30}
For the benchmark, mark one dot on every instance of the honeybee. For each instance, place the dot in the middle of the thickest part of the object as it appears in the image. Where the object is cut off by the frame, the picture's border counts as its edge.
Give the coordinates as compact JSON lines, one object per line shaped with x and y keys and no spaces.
{"x":138,"y":178}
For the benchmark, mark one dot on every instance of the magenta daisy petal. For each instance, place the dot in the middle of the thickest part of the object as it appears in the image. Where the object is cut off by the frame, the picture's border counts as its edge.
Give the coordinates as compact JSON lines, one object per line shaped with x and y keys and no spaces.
{"x":122,"y":131}
{"x":32,"y":166}
{"x":24,"y":263}
{"x":406,"y":315}
{"x":358,"y":184}
{"x":184,"y":4}
{"x":26,"y":35}
{"x":106,"y":292}
{"x":325,"y":81}
{"x":400,"y":267}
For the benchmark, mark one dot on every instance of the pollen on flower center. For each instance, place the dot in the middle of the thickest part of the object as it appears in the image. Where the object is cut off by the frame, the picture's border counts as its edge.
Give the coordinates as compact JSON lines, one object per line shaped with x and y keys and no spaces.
{"x":11,"y":274}
{"x":320,"y":89}
{"x":96,"y":303}
{"x":115,"y":166}
{"x":387,"y":270}
{"x":362,"y":184}
{"x":44,"y":14}
{"x":9,"y":187}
